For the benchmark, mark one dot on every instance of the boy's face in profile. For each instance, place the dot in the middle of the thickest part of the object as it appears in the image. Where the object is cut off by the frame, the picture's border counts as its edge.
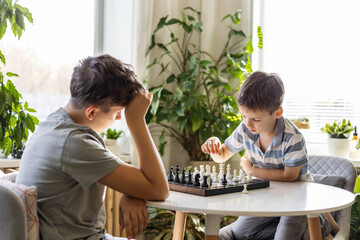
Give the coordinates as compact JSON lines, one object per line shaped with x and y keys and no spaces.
{"x":103,"y":120}
{"x":261,"y":120}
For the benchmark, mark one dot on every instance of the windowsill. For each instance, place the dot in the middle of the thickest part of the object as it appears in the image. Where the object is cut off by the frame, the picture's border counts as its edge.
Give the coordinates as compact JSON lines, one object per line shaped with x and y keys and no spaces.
{"x":322,"y":149}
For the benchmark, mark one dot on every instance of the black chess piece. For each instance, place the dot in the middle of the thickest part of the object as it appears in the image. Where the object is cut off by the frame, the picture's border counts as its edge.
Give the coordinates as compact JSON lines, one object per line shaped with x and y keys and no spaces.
{"x":224,"y":182}
{"x":171,"y":174}
{"x":177,"y":179}
{"x":183,"y":176}
{"x":204,"y":183}
{"x":189,"y":178}
{"x":197,"y":181}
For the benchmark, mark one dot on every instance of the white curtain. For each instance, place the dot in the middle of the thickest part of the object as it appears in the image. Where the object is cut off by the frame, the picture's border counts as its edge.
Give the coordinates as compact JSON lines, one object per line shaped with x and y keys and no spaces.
{"x":146,"y":14}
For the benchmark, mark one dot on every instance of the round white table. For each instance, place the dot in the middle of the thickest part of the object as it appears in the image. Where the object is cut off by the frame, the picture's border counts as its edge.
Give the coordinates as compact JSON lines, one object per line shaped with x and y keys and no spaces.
{"x":280,"y":199}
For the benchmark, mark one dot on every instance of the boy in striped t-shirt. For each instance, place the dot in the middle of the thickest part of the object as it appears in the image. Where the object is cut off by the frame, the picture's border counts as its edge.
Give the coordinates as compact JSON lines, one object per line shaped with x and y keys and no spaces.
{"x":275,"y":151}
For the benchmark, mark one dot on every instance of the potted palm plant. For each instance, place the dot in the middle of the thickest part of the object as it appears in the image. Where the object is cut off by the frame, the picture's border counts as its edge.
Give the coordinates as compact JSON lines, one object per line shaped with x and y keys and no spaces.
{"x":16,"y":119}
{"x":195,"y":97}
{"x":338,"y":141}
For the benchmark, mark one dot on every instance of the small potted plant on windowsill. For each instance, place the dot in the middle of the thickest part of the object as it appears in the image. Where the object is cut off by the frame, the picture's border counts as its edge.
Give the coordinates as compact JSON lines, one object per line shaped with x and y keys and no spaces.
{"x":338,"y":141}
{"x":111,"y":137}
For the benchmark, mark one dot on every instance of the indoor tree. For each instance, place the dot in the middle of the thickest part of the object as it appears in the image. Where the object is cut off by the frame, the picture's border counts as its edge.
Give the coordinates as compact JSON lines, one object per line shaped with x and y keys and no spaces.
{"x":195,"y":98}
{"x":15,"y":115}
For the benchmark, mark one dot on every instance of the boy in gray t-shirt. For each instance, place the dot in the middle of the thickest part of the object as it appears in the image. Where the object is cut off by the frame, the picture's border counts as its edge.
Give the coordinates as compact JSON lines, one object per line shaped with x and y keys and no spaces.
{"x":70,"y":165}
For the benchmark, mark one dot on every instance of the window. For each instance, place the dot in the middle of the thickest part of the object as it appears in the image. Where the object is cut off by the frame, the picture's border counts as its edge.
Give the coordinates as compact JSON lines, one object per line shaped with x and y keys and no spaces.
{"x":313,"y":46}
{"x":47,"y":52}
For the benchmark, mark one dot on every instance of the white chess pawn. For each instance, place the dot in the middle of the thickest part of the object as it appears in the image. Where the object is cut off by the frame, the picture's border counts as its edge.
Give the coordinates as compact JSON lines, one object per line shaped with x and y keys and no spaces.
{"x":245,"y":189}
{"x":249,"y":177}
{"x":235,"y":177}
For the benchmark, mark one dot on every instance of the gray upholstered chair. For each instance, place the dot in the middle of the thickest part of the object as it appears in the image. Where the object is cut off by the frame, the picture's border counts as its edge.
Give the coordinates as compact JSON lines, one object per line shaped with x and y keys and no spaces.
{"x":326,"y":170}
{"x":13,"y":219}
{"x":12,"y":216}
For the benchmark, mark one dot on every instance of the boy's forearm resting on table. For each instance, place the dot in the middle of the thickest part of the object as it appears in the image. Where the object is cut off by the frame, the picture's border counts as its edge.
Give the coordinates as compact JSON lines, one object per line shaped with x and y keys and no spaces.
{"x":284,"y":175}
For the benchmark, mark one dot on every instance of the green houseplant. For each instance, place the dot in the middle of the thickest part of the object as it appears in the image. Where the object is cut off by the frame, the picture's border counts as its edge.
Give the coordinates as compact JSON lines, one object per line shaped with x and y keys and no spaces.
{"x":195,"y":98}
{"x":338,"y":129}
{"x":355,"y":219}
{"x":15,"y":115}
{"x":338,"y":142}
{"x":111,"y":136}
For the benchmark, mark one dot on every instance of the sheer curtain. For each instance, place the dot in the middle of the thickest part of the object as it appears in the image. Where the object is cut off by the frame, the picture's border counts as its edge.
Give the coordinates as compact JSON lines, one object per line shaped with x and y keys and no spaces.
{"x":143,"y":20}
{"x":313,"y":45}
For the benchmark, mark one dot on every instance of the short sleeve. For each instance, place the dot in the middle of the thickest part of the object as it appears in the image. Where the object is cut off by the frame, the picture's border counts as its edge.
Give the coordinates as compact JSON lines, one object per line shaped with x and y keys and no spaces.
{"x":86,"y":159}
{"x":295,"y":151}
{"x":235,"y":142}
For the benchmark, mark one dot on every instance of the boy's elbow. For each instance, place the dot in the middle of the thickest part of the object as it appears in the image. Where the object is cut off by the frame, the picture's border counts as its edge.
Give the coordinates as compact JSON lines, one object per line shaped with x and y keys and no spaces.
{"x":160,"y":194}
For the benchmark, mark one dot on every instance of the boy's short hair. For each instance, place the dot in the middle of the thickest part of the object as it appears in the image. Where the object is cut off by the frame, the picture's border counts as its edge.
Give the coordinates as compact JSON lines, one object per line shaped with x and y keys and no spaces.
{"x":261,"y":91}
{"x":103,"y":81}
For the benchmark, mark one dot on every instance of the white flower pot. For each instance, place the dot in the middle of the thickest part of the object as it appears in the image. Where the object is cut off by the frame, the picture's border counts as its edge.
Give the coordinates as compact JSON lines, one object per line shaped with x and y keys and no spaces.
{"x":339,"y":147}
{"x":112,"y":145}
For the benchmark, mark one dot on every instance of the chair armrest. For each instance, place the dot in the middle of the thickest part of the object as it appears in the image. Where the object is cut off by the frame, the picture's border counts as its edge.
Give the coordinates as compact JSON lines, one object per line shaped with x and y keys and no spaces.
{"x":225,"y":233}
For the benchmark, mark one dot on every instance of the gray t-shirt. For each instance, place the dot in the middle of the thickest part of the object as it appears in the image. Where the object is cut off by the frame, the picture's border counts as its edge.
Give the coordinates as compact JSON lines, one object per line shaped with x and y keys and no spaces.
{"x":65,"y":160}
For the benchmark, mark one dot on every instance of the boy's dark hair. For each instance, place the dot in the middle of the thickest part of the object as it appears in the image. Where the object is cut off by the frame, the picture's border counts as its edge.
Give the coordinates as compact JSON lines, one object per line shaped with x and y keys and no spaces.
{"x":103,"y":81}
{"x":261,"y":91}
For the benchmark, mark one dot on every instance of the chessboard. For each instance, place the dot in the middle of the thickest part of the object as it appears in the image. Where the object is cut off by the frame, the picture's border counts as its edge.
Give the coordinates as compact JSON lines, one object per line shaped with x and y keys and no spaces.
{"x":205,"y":183}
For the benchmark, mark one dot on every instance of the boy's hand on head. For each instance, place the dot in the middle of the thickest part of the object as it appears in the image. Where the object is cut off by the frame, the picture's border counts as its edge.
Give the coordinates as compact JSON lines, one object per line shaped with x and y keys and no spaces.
{"x":138,"y":107}
{"x":133,"y":215}
{"x":212,"y":146}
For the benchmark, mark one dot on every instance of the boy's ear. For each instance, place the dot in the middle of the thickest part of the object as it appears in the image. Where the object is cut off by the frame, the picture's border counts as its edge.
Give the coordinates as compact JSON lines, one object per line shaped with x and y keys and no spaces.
{"x":90,"y":112}
{"x":279,"y":112}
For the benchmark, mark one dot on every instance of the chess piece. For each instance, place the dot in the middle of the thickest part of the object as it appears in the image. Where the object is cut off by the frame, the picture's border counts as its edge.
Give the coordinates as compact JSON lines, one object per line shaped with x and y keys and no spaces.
{"x":214,"y":174}
{"x":224,"y":182}
{"x":183,"y":176}
{"x":196,"y":171}
{"x":243,"y":180}
{"x":207,"y":170}
{"x":197,"y":180}
{"x":215,"y":179}
{"x":205,"y":182}
{"x":249,"y":177}
{"x":228,"y":173}
{"x":221,"y":170}
{"x":171,"y":175}
{"x":235,"y":177}
{"x":202,"y":170}
{"x":177,"y":169}
{"x":189,"y":178}
{"x":245,"y":189}
{"x":241,"y":174}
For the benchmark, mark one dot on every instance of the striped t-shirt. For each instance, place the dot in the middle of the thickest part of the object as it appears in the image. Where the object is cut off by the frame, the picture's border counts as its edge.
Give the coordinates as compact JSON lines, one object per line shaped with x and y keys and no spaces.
{"x":287,"y":148}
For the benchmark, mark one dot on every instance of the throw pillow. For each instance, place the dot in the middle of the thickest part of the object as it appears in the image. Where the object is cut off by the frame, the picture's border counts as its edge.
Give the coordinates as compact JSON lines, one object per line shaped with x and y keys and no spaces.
{"x":28,"y":196}
{"x":332,"y":180}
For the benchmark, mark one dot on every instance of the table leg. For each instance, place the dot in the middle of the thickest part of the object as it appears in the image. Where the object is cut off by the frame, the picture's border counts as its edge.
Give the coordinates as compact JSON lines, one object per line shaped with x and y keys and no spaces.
{"x":314,"y":227}
{"x":179,"y":225}
{"x":212,"y":227}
